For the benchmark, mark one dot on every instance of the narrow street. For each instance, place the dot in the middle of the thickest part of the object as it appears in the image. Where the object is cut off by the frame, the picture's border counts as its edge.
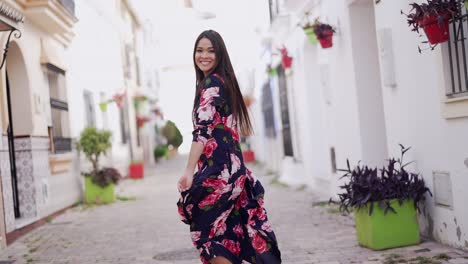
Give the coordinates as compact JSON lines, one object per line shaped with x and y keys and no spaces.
{"x":143,"y":227}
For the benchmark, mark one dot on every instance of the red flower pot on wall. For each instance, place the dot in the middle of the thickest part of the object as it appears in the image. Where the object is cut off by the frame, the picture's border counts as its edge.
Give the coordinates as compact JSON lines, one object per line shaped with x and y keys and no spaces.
{"x":286,"y":60}
{"x":249,"y":156}
{"x":435,"y":32}
{"x":326,"y":41}
{"x":136,"y":171}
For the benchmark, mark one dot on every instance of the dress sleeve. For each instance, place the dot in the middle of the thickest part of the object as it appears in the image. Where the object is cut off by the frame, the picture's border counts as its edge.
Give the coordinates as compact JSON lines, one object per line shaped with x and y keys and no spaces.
{"x":207,"y":111}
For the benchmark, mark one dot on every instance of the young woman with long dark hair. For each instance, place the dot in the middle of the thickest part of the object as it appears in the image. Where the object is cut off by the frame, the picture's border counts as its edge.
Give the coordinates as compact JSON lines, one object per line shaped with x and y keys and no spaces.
{"x":223,"y":201}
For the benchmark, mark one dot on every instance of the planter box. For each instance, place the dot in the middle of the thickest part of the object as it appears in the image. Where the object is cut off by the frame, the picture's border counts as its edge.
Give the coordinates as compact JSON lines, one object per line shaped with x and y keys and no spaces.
{"x":379,"y":231}
{"x":96,"y":194}
{"x":248,"y":155}
{"x":136,"y":171}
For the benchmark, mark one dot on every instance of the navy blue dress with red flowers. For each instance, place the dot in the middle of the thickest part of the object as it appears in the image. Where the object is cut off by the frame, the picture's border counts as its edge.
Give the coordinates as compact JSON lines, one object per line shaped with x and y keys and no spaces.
{"x":224,"y":206}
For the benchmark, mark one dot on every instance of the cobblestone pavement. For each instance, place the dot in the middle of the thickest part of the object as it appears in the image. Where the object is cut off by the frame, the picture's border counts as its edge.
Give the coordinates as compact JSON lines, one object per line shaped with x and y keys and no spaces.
{"x":147,"y":229}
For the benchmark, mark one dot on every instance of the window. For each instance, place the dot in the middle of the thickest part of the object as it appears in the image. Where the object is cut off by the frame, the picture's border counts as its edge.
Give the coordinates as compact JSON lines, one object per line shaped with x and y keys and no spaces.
{"x":283,"y":94}
{"x":268,"y":111}
{"x":61,"y":141}
{"x":90,"y":113}
{"x":456,"y":51}
{"x":123,"y":125}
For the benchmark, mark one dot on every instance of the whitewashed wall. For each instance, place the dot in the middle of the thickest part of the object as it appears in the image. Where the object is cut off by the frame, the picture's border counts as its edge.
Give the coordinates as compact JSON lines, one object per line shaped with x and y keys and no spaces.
{"x":414,"y":112}
{"x":96,"y":66}
{"x":340,"y":100}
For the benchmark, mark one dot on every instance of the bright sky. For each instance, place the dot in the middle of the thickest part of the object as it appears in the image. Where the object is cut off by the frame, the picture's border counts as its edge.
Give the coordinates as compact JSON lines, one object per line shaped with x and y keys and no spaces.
{"x":239,"y":22}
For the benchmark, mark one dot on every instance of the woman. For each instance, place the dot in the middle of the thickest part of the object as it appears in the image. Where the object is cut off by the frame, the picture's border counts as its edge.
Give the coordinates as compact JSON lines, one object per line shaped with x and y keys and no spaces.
{"x":222,"y":202}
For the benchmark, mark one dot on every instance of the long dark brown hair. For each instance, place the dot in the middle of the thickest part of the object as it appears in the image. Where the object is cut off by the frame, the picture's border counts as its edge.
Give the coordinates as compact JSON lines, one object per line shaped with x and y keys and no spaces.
{"x":223,"y":67}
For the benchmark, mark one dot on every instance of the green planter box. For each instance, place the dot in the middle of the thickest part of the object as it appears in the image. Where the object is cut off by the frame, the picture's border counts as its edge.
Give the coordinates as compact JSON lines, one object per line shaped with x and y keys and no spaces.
{"x":379,"y":231}
{"x":96,"y":194}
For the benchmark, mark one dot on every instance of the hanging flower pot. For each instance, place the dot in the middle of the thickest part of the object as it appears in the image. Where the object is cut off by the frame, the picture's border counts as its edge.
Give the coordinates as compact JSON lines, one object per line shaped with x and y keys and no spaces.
{"x":433,"y":17}
{"x":119,"y":99}
{"x":141,"y":120}
{"x":311,"y":35}
{"x":327,"y":40}
{"x":103,"y":106}
{"x":286,"y":60}
{"x":248,"y":100}
{"x":324,"y":33}
{"x":436,"y":32}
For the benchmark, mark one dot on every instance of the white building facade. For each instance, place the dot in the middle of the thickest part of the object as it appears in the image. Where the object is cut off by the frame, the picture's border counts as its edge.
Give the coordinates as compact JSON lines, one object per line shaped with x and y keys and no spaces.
{"x":361,"y":98}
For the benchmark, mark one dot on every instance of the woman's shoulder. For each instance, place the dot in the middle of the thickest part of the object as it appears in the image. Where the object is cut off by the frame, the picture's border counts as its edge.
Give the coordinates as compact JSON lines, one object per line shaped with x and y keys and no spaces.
{"x":213,"y":80}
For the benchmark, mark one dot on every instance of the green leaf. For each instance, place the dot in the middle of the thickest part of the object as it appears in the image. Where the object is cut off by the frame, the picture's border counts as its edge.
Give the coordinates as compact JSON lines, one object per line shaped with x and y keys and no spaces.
{"x":210,"y":190}
{"x":210,"y":162}
{"x":206,"y":208}
{"x":207,"y":81}
{"x":220,"y":126}
{"x":225,"y":139}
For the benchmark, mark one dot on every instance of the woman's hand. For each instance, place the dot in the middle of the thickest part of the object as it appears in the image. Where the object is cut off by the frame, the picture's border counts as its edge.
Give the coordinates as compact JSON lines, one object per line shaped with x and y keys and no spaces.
{"x":185,"y":182}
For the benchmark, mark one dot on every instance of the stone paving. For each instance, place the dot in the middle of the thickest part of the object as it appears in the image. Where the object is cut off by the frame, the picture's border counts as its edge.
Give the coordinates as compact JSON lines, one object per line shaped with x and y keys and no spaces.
{"x":144,"y":227}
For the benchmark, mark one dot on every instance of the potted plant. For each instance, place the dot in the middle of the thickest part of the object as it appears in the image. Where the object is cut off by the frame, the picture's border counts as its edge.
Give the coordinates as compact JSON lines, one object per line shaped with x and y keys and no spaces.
{"x":99,"y":183}
{"x":173,"y":136}
{"x":136,"y":169}
{"x":272,"y":72}
{"x":309,"y":30}
{"x":119,"y":99}
{"x":433,"y":17}
{"x":324,"y":33}
{"x":385,"y":202}
{"x":286,"y":60}
{"x":160,"y":152}
{"x":248,"y":100}
{"x":141,"y":120}
{"x":248,"y":155}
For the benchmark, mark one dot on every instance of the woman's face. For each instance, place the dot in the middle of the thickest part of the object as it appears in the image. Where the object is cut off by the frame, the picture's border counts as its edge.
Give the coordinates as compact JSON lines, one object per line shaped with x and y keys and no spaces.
{"x":205,"y":57}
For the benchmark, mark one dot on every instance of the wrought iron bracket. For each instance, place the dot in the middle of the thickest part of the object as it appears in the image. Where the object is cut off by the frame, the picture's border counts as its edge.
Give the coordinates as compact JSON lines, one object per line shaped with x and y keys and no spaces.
{"x":17,"y":35}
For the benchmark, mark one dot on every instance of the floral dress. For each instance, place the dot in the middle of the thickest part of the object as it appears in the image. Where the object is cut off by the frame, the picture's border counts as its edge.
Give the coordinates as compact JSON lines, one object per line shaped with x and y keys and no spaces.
{"x":224,"y":206}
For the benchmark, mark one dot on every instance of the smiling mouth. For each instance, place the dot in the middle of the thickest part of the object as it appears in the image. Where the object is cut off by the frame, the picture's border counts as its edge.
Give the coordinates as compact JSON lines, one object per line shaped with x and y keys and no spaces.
{"x":205,"y":63}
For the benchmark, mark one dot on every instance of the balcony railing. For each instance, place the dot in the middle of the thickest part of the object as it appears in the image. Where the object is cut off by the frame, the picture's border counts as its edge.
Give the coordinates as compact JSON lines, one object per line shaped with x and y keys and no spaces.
{"x":69,"y":5}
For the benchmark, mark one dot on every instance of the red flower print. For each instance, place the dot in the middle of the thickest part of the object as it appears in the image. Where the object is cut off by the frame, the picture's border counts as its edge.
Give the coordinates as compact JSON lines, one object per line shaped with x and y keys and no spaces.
{"x":261,"y":215}
{"x":218,"y":230}
{"x":195,"y":236}
{"x":238,"y":231}
{"x":216,"y":184}
{"x":181,"y":213}
{"x":210,"y":146}
{"x":242,"y":201}
{"x":259,"y":244}
{"x":206,"y":112}
{"x":235,"y":161}
{"x":232,"y":246}
{"x":267,"y":227}
{"x":238,"y":188}
{"x":209,"y":200}
{"x":189,"y":209}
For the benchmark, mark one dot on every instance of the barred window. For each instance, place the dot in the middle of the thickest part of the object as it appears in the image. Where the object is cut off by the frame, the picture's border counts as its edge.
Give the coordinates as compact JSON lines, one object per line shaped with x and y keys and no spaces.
{"x":59,"y":133}
{"x":455,"y":54}
{"x":286,"y":124}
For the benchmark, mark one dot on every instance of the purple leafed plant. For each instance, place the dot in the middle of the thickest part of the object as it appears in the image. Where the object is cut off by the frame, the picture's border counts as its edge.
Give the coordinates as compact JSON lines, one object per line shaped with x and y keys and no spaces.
{"x":442,"y":9}
{"x":367,"y":185}
{"x":105,"y":176}
{"x":321,"y":30}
